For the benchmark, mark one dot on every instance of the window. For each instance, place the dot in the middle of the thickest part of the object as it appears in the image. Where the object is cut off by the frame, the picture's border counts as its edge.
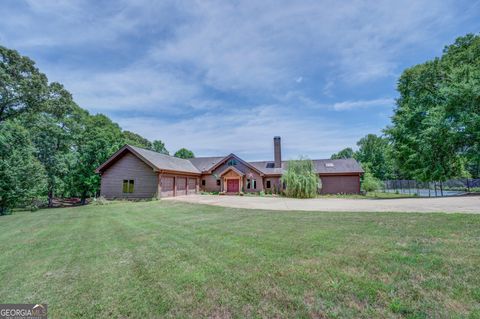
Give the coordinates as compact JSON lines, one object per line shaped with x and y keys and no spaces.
{"x":270,"y":165}
{"x":128,"y":185}
{"x":203,"y":182}
{"x":251,"y":184}
{"x":218,"y":182}
{"x":232,"y":162}
{"x":269,"y":185}
{"x":248,"y":183}
{"x":254,"y":184}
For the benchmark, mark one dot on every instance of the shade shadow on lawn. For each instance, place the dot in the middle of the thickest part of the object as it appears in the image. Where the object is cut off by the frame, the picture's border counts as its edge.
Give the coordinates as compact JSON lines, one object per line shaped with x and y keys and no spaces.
{"x":167,"y":260}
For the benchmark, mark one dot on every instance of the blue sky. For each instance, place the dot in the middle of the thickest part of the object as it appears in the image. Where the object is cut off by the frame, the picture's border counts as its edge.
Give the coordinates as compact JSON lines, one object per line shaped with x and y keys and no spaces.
{"x":226,"y":76}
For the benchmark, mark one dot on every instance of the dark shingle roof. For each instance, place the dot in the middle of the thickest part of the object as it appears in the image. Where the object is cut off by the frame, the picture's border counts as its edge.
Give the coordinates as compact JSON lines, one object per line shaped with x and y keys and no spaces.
{"x":323,"y":166}
{"x":166,"y":162}
{"x":347,"y":165}
{"x":204,"y":163}
{"x":198,"y":165}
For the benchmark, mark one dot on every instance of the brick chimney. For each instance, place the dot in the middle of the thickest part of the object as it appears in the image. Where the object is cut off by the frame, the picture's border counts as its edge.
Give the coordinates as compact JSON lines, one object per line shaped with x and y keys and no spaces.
{"x":277,"y":152}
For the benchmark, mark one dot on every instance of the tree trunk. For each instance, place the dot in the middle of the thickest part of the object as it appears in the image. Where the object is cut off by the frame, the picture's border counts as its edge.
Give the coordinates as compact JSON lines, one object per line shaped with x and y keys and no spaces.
{"x":83,"y":200}
{"x":50,"y":198}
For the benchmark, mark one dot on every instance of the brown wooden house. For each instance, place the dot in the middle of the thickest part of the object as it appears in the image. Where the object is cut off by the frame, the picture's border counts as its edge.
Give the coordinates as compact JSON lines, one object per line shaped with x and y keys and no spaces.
{"x":133,"y":172}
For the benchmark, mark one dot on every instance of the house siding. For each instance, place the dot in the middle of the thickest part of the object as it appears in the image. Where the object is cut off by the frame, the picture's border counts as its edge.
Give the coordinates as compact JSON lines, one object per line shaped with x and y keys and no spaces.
{"x":275,"y":184}
{"x":340,"y":184}
{"x":129,"y":167}
{"x":210,"y":183}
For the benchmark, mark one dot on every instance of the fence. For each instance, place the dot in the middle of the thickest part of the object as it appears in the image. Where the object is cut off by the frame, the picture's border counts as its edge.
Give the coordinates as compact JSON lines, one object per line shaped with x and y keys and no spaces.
{"x":433,"y":189}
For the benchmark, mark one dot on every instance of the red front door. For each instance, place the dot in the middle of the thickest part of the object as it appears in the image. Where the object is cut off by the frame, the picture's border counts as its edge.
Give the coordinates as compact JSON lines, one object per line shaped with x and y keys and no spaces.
{"x":232,"y":185}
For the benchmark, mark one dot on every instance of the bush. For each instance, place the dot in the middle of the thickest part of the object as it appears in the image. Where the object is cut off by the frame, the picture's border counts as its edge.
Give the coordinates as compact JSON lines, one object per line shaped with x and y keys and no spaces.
{"x":370,"y":183}
{"x":301,"y":179}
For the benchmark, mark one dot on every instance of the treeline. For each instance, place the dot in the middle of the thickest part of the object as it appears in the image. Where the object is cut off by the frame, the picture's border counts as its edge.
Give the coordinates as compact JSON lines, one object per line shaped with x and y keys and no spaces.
{"x":435,"y":129}
{"x":49,"y":146}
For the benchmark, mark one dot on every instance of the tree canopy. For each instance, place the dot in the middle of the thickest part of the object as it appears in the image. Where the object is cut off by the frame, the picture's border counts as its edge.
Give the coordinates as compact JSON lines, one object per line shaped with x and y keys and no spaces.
{"x":135,"y":139}
{"x":22,"y":176}
{"x":374,"y":151}
{"x":159,"y":146}
{"x":184,"y":153}
{"x":22,"y":86}
{"x":345,"y":153}
{"x":435,"y":130}
{"x":49,"y":146}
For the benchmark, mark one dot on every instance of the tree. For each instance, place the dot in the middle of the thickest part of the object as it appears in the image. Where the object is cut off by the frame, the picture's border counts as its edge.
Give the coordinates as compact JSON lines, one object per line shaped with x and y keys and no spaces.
{"x":135,"y":139}
{"x":435,"y":129}
{"x":159,"y":146}
{"x":301,"y":179}
{"x":22,"y":178}
{"x":460,"y":90}
{"x":22,"y":87}
{"x":184,"y":153}
{"x":374,"y":151}
{"x":98,"y":140}
{"x":345,"y":153}
{"x":52,"y":133}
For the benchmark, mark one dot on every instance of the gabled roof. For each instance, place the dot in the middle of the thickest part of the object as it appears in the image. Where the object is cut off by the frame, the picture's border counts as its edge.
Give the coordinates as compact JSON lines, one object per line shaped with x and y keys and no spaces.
{"x":162,"y":162}
{"x":157,"y":161}
{"x":223,"y":160}
{"x":322,"y":166}
{"x":232,"y":168}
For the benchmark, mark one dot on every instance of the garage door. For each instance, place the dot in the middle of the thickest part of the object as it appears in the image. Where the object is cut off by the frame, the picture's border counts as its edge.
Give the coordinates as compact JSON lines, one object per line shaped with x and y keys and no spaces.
{"x":181,"y":186}
{"x":192,"y":185}
{"x":167,"y":186}
{"x":339,"y":184}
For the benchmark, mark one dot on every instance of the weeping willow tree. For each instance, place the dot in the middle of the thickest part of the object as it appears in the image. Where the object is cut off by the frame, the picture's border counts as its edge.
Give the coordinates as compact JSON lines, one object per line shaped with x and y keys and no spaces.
{"x":301,"y":179}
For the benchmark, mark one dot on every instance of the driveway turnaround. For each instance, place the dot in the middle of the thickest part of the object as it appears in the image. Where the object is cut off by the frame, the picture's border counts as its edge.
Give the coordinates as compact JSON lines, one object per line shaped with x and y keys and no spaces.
{"x":463,"y":204}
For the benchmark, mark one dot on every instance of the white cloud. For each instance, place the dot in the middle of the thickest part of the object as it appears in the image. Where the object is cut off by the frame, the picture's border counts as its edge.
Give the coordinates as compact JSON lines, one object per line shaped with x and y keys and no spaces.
{"x":248,"y":132}
{"x":360,"y":104}
{"x":236,"y":65}
{"x":133,"y":89}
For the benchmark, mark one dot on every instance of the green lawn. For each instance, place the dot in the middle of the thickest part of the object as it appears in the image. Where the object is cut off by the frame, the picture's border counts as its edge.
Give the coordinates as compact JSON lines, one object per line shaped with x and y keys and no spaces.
{"x":163,"y":259}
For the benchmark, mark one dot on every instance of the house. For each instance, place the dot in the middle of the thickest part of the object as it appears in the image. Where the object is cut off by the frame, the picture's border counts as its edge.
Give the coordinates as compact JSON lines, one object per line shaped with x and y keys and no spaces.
{"x":134,"y":172}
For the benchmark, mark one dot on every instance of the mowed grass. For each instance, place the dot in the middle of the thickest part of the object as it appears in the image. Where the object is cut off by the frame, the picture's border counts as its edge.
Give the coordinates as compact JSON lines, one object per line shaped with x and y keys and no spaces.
{"x":164,"y":259}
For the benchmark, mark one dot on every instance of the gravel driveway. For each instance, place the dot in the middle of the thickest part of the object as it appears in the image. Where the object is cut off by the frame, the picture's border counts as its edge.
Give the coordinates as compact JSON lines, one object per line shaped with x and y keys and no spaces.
{"x":467,"y":204}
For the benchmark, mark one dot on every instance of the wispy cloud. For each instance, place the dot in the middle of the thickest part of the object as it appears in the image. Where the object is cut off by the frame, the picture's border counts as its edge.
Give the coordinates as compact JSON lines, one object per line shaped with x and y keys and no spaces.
{"x":221,"y":76}
{"x":360,"y":104}
{"x":249,"y":133}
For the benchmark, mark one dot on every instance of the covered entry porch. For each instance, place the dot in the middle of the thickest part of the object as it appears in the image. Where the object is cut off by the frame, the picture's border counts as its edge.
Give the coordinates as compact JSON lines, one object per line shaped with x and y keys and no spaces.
{"x":232,"y":181}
